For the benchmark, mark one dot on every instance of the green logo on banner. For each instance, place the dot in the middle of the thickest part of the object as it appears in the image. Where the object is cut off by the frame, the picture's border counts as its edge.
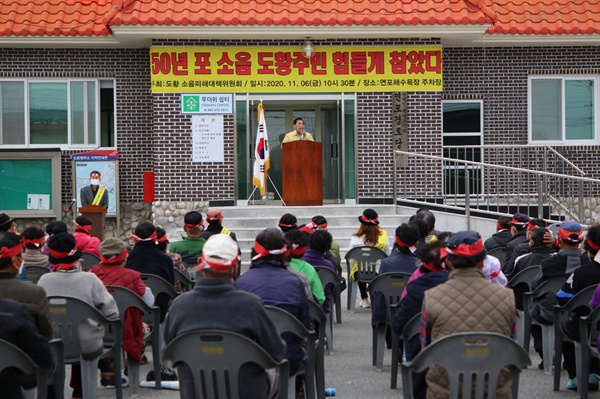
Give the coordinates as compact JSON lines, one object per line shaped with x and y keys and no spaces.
{"x":191,"y":103}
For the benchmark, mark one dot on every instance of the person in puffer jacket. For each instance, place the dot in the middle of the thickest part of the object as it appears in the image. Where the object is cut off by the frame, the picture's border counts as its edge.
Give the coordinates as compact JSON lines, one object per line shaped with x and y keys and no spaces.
{"x":84,"y":241}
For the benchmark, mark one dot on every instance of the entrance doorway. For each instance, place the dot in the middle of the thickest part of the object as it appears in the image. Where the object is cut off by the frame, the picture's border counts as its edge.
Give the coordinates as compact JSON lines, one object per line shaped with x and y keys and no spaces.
{"x":329,"y":118}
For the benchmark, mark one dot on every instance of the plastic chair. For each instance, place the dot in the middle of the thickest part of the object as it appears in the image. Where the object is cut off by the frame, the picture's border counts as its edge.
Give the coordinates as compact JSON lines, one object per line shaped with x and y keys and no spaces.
{"x":215,"y":357}
{"x":328,"y":276}
{"x":185,"y":281}
{"x":190,"y":264}
{"x":33,"y":273}
{"x":125,"y":299}
{"x":88,"y":260}
{"x":58,"y":378}
{"x":561,"y":314}
{"x":549,"y":286}
{"x":158,"y":285}
{"x":411,"y":329}
{"x":391,"y":286}
{"x":500,"y":253}
{"x":525,"y":276}
{"x":13,"y":356}
{"x":286,"y":322}
{"x":318,"y":317}
{"x":479,"y":356}
{"x":589,"y":328}
{"x":67,"y":313}
{"x":366,"y":257}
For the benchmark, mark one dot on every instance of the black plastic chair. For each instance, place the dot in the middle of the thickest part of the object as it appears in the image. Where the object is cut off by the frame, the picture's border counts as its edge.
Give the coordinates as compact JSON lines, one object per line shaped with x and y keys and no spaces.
{"x":549,"y":286}
{"x":328,"y":276}
{"x":500,"y":253}
{"x":286,"y":322}
{"x":33,"y":273}
{"x":524,"y":277}
{"x":185,"y":281}
{"x":589,"y":329}
{"x":158,"y":285}
{"x":366,"y":258}
{"x":58,"y":378}
{"x":561,"y":314}
{"x":215,"y":357}
{"x":88,"y":260}
{"x":67,"y":313}
{"x":411,"y":329}
{"x":470,"y":355}
{"x":318,"y":317}
{"x":125,"y":299}
{"x":15,"y":357}
{"x":391,"y":286}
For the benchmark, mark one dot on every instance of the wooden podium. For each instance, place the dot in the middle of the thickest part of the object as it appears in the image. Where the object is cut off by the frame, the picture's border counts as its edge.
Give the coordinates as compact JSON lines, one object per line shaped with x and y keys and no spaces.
{"x":96,"y":214}
{"x":302,"y":173}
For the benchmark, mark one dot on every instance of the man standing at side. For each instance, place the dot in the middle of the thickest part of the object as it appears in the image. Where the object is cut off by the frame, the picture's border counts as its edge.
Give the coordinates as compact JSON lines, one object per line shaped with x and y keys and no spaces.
{"x":475,"y":306}
{"x":214,"y":303}
{"x":94,"y":194}
{"x":298,"y":133}
{"x":191,"y":246}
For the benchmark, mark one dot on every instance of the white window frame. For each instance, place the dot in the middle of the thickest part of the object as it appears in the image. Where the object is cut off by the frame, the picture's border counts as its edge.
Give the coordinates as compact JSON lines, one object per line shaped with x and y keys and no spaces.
{"x":68,"y":145}
{"x":564,"y":141}
{"x":464,"y":134}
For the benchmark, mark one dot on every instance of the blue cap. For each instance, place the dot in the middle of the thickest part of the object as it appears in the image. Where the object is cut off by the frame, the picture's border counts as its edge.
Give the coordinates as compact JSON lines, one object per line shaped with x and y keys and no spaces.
{"x":571,"y":225}
{"x":466,"y":243}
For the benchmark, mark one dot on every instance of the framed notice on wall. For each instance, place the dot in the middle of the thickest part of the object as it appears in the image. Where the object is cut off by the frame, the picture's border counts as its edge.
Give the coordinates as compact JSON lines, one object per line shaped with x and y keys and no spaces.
{"x":208,"y":138}
{"x":105,"y":162}
{"x":30,"y":183}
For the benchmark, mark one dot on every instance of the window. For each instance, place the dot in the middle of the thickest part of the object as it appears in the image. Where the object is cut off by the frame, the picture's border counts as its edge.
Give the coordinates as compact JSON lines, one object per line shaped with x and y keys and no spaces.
{"x":563,"y":110}
{"x":462,"y":126}
{"x":42,"y":113}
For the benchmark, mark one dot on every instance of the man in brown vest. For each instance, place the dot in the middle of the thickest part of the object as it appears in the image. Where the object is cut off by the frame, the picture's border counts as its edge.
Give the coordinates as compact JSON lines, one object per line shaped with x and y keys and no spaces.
{"x":467,"y":302}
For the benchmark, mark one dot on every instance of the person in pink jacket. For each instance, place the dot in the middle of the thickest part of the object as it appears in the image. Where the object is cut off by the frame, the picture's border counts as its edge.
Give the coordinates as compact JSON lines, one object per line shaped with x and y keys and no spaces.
{"x":83,"y":240}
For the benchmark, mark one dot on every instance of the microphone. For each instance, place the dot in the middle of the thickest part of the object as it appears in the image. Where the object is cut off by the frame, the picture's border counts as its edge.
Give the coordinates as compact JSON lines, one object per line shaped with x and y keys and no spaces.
{"x":69,"y":208}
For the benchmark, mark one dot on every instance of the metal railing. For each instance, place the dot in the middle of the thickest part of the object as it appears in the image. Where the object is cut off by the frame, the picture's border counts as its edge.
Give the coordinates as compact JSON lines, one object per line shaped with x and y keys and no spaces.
{"x":469,"y":185}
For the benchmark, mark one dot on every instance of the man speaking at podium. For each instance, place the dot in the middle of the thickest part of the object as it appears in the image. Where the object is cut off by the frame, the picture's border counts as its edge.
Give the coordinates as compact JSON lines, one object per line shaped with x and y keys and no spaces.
{"x":94,"y":194}
{"x":298,"y":133}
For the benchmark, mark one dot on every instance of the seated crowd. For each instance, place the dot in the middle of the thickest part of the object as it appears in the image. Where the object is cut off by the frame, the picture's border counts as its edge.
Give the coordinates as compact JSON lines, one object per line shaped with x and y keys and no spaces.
{"x":283,"y":272}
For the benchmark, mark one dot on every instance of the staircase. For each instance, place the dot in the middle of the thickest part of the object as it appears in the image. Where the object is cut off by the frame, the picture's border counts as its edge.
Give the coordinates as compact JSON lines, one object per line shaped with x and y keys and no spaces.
{"x":246,"y":222}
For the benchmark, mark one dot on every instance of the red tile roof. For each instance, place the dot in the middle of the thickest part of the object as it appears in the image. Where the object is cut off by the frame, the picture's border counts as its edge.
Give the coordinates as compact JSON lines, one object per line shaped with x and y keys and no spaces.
{"x":94,"y":17}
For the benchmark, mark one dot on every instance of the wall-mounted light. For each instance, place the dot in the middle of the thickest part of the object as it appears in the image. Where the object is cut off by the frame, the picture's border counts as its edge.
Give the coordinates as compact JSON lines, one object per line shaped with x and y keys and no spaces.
{"x":308,"y":47}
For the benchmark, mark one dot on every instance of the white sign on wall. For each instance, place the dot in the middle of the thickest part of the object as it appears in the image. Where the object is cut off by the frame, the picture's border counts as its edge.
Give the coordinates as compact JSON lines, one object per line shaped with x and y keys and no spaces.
{"x":208,"y":138}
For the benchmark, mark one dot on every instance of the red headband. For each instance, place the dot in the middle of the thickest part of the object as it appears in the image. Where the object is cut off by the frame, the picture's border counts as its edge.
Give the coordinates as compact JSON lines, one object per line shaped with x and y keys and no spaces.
{"x":60,"y":254}
{"x":288,"y":225}
{"x":114,"y":258}
{"x":565,"y":235}
{"x":591,"y":244}
{"x":374,"y":221}
{"x":15,"y":250}
{"x":195,"y":226}
{"x":207,"y":264}
{"x":213,"y":218}
{"x":431,"y":266}
{"x":34,"y":241}
{"x":307,"y":229}
{"x":162,"y":239}
{"x":87,"y":228}
{"x":401,"y":243}
{"x":95,"y":175}
{"x":467,"y":250}
{"x":261,"y":251}
{"x":137,"y":239}
{"x":515,"y":221}
{"x":297,"y":250}
{"x":531,"y":226}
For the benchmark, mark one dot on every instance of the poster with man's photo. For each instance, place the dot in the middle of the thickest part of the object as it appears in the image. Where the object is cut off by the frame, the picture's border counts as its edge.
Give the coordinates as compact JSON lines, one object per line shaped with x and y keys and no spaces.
{"x":104,"y":162}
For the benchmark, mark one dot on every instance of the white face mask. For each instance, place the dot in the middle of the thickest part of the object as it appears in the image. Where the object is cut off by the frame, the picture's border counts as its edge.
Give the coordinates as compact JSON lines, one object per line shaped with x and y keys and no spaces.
{"x":94,"y":182}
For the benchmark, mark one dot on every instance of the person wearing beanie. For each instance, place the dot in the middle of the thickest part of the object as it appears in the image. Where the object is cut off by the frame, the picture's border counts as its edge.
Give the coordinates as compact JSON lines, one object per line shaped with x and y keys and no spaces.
{"x":54,"y":227}
{"x":34,"y":239}
{"x":502,"y":235}
{"x":333,"y":255}
{"x":145,"y":257}
{"x":85,"y":242}
{"x":467,"y":302}
{"x":191,"y":245}
{"x":214,"y":218}
{"x":297,"y":242}
{"x":269,"y":279}
{"x":163,"y":243}
{"x":288,"y":222}
{"x":111,"y":271}
{"x":68,"y":279}
{"x":583,"y":277}
{"x":370,"y":234}
{"x":432,"y":272}
{"x":403,"y":260}
{"x":6,"y":223}
{"x":215,"y":303}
